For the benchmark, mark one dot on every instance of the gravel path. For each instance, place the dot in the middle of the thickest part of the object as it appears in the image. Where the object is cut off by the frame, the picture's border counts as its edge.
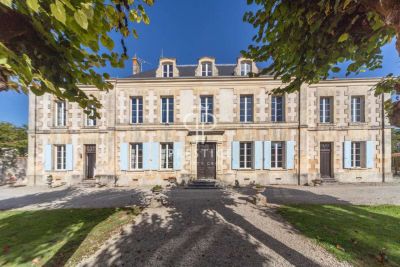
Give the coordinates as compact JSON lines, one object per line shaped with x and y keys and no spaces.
{"x":210,"y":228}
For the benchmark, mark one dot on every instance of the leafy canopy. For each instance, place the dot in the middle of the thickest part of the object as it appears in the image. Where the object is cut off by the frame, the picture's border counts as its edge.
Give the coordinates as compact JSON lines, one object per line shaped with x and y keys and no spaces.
{"x":13,"y":137}
{"x":51,"y":46}
{"x":304,"y":40}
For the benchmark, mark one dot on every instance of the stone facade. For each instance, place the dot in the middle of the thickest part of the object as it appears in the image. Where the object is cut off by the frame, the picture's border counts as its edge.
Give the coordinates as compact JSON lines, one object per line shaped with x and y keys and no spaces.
{"x":301,"y":127}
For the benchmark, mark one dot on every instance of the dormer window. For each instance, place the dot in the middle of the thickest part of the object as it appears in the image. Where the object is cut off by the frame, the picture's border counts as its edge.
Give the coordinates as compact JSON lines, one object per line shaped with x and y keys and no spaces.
{"x":206,"y":69}
{"x":167,"y":70}
{"x":245,"y":68}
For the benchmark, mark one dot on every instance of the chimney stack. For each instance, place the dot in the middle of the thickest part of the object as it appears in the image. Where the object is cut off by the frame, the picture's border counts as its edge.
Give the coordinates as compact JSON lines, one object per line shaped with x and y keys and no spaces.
{"x":136,"y":65}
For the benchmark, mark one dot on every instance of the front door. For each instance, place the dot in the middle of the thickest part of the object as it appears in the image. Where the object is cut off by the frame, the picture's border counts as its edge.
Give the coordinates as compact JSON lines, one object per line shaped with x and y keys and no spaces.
{"x":206,"y":160}
{"x":90,"y":159}
{"x":326,"y":160}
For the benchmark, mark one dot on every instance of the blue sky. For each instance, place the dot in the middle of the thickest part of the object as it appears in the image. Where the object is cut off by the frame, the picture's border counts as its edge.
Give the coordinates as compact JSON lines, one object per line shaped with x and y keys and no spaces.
{"x":186,"y":30}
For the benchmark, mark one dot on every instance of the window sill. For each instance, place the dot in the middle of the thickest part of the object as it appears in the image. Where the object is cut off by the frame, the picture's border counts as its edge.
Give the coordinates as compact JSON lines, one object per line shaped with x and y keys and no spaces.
{"x":357,"y":168}
{"x":358,"y":123}
{"x":136,"y":170}
{"x":277,"y":169}
{"x":90,"y":127}
{"x":245,"y":169}
{"x":326,"y":124}
{"x":60,"y":127}
{"x":277,"y":121}
{"x":58,"y":171}
{"x":165,"y":170}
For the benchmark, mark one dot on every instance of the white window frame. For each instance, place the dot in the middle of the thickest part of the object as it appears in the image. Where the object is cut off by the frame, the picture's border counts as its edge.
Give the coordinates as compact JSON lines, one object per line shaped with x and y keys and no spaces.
{"x":63,"y":157}
{"x":246,"y":108}
{"x":274,"y":108}
{"x":169,"y":72}
{"x":354,"y":154}
{"x":91,"y":122}
{"x":136,"y":98}
{"x":208,"y":69}
{"x":168,"y":146}
{"x":246,"y":155}
{"x":204,"y":116}
{"x":354,"y":109}
{"x":323,"y":118}
{"x":245,"y":68}
{"x":137,"y":147}
{"x":274,"y":161}
{"x":168,"y":119}
{"x":63,"y":121}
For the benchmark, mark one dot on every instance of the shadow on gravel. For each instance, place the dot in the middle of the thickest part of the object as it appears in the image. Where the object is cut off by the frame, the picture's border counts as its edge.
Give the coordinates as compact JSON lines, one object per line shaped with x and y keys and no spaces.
{"x":197,"y":231}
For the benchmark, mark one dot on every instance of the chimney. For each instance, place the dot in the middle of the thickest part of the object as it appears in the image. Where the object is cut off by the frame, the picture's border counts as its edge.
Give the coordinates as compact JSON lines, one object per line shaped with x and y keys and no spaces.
{"x":136,"y":66}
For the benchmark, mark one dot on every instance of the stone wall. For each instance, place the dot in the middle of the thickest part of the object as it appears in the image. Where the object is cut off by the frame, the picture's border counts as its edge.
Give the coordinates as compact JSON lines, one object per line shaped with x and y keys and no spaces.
{"x":12,"y":167}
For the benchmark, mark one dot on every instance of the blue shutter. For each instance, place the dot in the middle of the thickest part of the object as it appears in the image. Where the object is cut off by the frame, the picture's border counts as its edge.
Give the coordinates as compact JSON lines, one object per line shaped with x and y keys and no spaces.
{"x":146,"y":156}
{"x":69,"y":154}
{"x":347,"y":154}
{"x":258,"y":155}
{"x":178,"y":155}
{"x":235,"y":155}
{"x":47,"y":157}
{"x":267,"y":154}
{"x":123,"y":156}
{"x":370,"y":154}
{"x":155,"y":156}
{"x":290,"y":154}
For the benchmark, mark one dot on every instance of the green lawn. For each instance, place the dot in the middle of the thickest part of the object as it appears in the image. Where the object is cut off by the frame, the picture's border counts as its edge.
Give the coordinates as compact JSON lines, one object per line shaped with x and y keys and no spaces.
{"x":362,"y":235}
{"x":56,"y":237}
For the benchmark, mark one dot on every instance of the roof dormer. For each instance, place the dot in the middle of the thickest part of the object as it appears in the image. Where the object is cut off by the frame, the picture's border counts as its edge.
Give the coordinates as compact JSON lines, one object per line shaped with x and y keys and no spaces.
{"x":167,"y":68}
{"x":245,"y":66}
{"x":206,"y":67}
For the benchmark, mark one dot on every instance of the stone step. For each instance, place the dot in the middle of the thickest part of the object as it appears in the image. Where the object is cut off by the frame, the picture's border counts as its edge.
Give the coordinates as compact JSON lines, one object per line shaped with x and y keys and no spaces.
{"x":329,"y":181}
{"x":88,"y":183}
{"x":203,"y":184}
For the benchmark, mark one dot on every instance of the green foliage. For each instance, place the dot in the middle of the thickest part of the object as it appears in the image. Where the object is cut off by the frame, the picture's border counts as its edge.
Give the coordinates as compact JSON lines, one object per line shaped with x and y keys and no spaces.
{"x":52,"y":46}
{"x":305,"y":40}
{"x":13,"y":137}
{"x":362,"y":235}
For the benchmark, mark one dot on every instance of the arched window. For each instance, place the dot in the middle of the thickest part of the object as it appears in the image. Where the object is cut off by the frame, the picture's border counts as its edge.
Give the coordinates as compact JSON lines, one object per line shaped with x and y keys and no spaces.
{"x":206,"y":69}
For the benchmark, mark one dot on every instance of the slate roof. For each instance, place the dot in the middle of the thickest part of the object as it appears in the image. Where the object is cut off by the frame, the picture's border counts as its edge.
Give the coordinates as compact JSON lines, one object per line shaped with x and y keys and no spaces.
{"x":188,"y":71}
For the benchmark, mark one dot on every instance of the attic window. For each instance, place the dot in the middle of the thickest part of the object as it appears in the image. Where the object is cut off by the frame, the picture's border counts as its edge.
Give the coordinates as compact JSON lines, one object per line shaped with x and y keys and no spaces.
{"x":245,"y":68}
{"x":206,"y":69}
{"x":167,"y":70}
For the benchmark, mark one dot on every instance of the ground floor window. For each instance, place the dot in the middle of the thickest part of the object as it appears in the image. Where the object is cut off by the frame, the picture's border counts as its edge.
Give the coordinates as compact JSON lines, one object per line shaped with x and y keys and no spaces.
{"x":60,"y":157}
{"x":136,"y":156}
{"x":277,"y":154}
{"x":357,"y":154}
{"x":246,"y":155}
{"x":167,"y":155}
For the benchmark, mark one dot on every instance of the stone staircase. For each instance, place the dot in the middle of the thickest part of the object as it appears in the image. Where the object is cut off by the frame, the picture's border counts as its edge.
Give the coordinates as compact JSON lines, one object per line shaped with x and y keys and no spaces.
{"x":88,"y":183}
{"x":203,"y":184}
{"x":329,"y":180}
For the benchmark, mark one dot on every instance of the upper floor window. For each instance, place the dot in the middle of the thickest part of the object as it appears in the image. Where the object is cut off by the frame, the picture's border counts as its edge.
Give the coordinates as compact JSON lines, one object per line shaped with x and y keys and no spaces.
{"x":61,"y":113}
{"x":206,"y":109}
{"x":206,"y":69}
{"x":277,"y":159}
{"x":60,"y":157}
{"x":325,"y":110}
{"x":137,"y":109}
{"x":167,"y":70}
{"x":357,"y":109}
{"x":246,"y":155}
{"x":245,"y":68}
{"x":136,"y":156}
{"x":277,"y":108}
{"x":246,"y":108}
{"x":167,"y":155}
{"x":167,"y":109}
{"x":90,"y":118}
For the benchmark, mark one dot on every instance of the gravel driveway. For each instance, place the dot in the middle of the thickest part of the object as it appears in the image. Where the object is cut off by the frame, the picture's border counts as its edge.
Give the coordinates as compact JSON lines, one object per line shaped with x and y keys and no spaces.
{"x":210,"y":228}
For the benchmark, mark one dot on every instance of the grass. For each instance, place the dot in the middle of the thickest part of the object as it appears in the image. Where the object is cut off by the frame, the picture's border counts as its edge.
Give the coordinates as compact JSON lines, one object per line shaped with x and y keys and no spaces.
{"x":57,"y":237}
{"x":361,"y":235}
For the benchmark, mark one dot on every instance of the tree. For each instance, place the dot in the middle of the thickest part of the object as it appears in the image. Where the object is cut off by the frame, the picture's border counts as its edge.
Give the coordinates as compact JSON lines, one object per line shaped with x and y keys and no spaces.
{"x":52,"y":46}
{"x":304,"y":40}
{"x":13,"y":137}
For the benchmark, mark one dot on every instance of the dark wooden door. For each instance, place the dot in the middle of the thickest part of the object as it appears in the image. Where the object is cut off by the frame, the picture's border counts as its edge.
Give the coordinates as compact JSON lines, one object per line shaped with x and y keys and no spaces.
{"x":90,"y":161}
{"x":206,"y":161}
{"x":326,"y":160}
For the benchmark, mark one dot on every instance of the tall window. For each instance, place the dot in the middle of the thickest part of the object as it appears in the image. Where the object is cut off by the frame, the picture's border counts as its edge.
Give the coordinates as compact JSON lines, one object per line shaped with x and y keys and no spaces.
{"x":246,"y":108}
{"x":245,"y":68}
{"x":356,"y":154}
{"x":60,"y":157}
{"x":136,"y":156}
{"x":167,"y":70}
{"x":357,"y":109}
{"x":206,"y":69}
{"x":167,"y":109}
{"x":90,"y":118}
{"x":167,"y":155}
{"x":325,"y":109}
{"x":246,"y":155}
{"x":137,"y":109}
{"x":206,"y":109}
{"x":61,"y":113}
{"x":277,"y":108}
{"x":277,"y":159}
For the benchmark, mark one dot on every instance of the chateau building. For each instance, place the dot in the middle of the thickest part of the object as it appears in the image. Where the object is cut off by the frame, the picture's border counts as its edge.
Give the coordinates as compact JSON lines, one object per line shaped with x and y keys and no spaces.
{"x":212,"y":120}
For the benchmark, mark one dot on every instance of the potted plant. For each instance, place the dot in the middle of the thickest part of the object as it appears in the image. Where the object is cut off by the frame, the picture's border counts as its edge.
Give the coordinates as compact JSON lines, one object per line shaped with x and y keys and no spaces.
{"x":259,"y":188}
{"x":156,"y":189}
{"x":50,"y":181}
